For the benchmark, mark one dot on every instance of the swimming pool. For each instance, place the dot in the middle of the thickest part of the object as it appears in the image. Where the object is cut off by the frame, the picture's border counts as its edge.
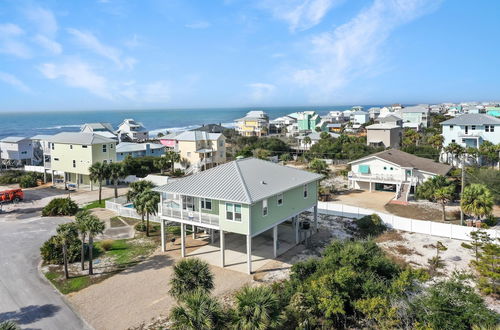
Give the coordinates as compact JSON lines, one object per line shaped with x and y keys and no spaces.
{"x":129,"y":205}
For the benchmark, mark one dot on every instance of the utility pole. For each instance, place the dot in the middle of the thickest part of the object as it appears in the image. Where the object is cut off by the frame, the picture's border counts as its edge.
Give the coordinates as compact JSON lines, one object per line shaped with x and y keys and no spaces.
{"x":462,"y":192}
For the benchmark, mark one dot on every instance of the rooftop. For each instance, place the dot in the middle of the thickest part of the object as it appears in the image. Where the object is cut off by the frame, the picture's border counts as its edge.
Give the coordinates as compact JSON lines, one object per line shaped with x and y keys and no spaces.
{"x":131,"y":147}
{"x":244,"y":181}
{"x":79,"y":138}
{"x":383,"y":126}
{"x":416,"y":109}
{"x":13,"y":139}
{"x":405,"y":159}
{"x":196,"y":136}
{"x":472,"y":119}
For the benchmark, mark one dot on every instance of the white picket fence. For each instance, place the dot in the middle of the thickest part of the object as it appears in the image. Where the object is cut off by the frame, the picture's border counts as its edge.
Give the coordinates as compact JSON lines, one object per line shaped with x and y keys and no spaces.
{"x":129,"y":212}
{"x":401,"y":223}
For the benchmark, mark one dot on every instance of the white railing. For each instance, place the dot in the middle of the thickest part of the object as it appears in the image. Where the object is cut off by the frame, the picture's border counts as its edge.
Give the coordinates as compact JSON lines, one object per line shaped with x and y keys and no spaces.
{"x":372,"y":177}
{"x":128,"y":212}
{"x":193,"y":216}
{"x":439,"y":229}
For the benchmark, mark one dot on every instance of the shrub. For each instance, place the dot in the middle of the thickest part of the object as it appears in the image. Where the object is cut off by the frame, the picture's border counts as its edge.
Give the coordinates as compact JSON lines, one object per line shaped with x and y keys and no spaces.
{"x":370,"y":225}
{"x":174,"y":230}
{"x":191,"y":275}
{"x":52,"y":251}
{"x":141,"y":226}
{"x":107,"y":244}
{"x":60,"y":206}
{"x":302,"y":270}
{"x":177,"y":173}
{"x":27,"y":181}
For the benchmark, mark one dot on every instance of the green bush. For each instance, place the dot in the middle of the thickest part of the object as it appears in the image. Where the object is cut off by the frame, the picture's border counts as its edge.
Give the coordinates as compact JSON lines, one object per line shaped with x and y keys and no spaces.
{"x":52,"y":251}
{"x":27,"y":181}
{"x":60,"y":206}
{"x":174,"y":230}
{"x":141,"y":226}
{"x":370,"y":225}
{"x":107,"y":244}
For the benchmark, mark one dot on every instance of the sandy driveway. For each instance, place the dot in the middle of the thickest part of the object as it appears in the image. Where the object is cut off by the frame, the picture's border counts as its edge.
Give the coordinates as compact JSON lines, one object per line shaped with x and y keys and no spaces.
{"x":141,"y":293}
{"x":373,"y":200}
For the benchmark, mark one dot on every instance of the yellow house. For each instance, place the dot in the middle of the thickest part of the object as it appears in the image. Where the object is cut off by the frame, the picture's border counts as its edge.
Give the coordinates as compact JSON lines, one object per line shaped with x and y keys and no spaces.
{"x":255,"y":123}
{"x":201,"y":149}
{"x":73,"y":153}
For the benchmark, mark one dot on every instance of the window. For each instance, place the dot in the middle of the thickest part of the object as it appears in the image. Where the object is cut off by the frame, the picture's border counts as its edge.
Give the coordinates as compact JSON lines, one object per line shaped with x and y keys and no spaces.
{"x":451,"y":126}
{"x":489,"y":128}
{"x":206,"y":204}
{"x":233,"y":212}
{"x":221,"y":143}
{"x":84,"y":146}
{"x":71,"y":146}
{"x":264,"y":207}
{"x":24,"y":152}
{"x":74,"y":163}
{"x":392,"y":168}
{"x":105,"y":161}
{"x":52,"y":145}
{"x":385,"y":167}
{"x":473,"y":127}
{"x":56,"y":159}
{"x":110,"y":146}
{"x":104,"y":149}
{"x":222,"y":153}
{"x":305,"y":191}
{"x":279,"y":199}
{"x":453,"y":141}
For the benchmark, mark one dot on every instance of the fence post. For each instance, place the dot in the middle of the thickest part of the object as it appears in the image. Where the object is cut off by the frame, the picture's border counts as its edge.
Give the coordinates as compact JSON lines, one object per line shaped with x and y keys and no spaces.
{"x":451,"y":230}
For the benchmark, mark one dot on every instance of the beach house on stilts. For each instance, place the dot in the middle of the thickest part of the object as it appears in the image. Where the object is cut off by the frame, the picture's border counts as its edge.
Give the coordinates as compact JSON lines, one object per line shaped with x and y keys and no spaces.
{"x":241,"y":200}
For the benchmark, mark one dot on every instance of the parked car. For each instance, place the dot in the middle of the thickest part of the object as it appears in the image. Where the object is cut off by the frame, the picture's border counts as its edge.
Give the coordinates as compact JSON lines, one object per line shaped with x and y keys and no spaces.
{"x":13,"y":195}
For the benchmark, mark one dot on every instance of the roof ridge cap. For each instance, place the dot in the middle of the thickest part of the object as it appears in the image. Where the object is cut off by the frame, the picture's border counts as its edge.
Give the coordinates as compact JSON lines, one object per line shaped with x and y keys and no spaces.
{"x":245,"y":188}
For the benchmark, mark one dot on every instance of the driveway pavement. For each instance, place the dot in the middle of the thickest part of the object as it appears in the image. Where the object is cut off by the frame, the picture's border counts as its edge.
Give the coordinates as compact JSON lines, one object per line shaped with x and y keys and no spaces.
{"x":25,"y":297}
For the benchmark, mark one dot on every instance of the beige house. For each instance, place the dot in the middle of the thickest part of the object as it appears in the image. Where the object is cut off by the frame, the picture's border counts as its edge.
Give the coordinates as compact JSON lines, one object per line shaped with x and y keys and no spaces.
{"x":201,"y":149}
{"x":73,"y":153}
{"x":385,"y":135}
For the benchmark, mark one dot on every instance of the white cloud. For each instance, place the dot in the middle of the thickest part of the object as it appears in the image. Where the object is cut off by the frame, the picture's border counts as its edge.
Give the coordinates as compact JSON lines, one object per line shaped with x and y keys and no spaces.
{"x":76,"y":73}
{"x":13,"y":81}
{"x":300,"y":14}
{"x":261,"y":91}
{"x":154,"y":92}
{"x":10,"y":41}
{"x":89,"y":41}
{"x":199,"y":25}
{"x":52,"y":46}
{"x":44,"y":19}
{"x":355,"y":48}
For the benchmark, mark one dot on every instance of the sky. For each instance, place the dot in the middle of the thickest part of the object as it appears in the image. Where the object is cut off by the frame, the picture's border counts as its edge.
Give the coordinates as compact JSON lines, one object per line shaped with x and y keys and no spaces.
{"x":148,"y":54}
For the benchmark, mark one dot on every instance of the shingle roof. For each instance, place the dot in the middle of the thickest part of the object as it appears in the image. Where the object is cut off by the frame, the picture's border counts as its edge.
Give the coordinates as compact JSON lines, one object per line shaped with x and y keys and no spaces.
{"x":244,"y":181}
{"x":79,"y":138}
{"x":472,"y":119}
{"x":405,"y":159}
{"x":13,"y":139}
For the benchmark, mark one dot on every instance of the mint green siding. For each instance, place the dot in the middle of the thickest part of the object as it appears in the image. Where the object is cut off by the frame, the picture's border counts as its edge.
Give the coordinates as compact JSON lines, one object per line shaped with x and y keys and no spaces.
{"x":234,"y":226}
{"x":215,"y":206}
{"x":293,"y":202}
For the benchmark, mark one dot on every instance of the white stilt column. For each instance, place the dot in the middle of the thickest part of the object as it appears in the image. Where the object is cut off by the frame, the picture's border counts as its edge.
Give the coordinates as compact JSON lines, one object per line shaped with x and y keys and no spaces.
{"x":53,"y":178}
{"x":249,"y":253}
{"x":183,"y":240}
{"x":296,"y":230}
{"x":316,"y":217}
{"x":163,"y":243}
{"x":194,"y":229}
{"x":222,"y":249}
{"x":212,"y":236}
{"x":275,"y":241}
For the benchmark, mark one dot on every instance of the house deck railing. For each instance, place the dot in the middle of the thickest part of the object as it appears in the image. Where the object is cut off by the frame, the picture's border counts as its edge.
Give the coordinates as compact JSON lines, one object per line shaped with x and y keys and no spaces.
{"x":192,"y":216}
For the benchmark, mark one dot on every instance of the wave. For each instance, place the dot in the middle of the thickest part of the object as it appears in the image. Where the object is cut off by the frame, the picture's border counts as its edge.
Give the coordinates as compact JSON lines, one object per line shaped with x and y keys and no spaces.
{"x":61,"y":127}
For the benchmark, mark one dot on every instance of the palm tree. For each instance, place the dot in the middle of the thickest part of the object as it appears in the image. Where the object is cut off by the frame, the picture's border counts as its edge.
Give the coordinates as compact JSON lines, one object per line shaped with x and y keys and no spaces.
{"x":161,"y":163}
{"x":191,"y":275}
{"x":443,"y":196}
{"x":436,"y":141}
{"x":65,"y":232}
{"x":94,"y":227}
{"x":307,"y":141}
{"x":477,"y":200}
{"x":149,"y":201}
{"x":99,"y":172}
{"x":137,"y":188}
{"x":116,"y":172}
{"x":9,"y":325}
{"x":257,"y":308}
{"x":455,"y":150}
{"x":81,"y":219}
{"x":198,"y":311}
{"x":173,"y":157}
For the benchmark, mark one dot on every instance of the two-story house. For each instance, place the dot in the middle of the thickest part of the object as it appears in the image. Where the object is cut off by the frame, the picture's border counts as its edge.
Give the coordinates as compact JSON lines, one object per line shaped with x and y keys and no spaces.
{"x":307,"y":121}
{"x":73,"y":153}
{"x":104,"y":129}
{"x":393,"y":170}
{"x":387,"y":135}
{"x":245,"y":197}
{"x":416,"y":117}
{"x":359,"y":118}
{"x":16,"y":151}
{"x":132,"y":131}
{"x":255,"y":123}
{"x":135,"y":150}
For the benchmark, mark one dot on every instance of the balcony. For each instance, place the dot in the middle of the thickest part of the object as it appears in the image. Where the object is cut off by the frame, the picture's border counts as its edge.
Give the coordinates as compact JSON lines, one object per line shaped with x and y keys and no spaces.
{"x":377,"y":177}
{"x":171,"y":209}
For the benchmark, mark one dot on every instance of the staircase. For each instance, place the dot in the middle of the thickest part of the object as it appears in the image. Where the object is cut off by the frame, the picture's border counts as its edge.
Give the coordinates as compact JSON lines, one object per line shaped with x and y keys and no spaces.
{"x":402,"y":194}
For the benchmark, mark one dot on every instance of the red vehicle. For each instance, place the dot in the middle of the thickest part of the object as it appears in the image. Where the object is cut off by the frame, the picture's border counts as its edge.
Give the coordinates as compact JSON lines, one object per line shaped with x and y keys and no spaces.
{"x":14,"y":195}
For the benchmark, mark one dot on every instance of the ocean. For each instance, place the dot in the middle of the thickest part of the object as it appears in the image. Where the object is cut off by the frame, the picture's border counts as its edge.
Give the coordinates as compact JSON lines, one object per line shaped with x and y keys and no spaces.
{"x":28,"y":124}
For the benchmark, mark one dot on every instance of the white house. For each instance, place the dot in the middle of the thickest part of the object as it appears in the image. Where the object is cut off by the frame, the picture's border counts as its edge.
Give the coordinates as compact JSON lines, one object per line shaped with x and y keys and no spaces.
{"x":416,"y":117}
{"x":16,"y":151}
{"x":393,"y":170}
{"x":103,"y":129}
{"x":374,"y":112}
{"x":132,"y":130}
{"x":360,"y":117}
{"x":471,"y":130}
{"x":314,"y":137}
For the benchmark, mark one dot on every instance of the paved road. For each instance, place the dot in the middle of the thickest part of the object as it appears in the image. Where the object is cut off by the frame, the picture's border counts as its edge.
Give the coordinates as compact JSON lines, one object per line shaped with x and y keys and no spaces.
{"x":24,"y":296}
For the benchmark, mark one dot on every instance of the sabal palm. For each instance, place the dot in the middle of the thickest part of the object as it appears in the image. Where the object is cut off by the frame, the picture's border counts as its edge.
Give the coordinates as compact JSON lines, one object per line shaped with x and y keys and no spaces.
{"x":65,"y":232}
{"x":161,"y":163}
{"x":198,"y":311}
{"x":99,"y":172}
{"x":94,"y":227}
{"x":137,"y":188}
{"x":149,"y":200}
{"x":116,"y":172}
{"x":191,"y":275}
{"x":477,"y":200}
{"x":444,"y":195}
{"x":257,"y":308}
{"x":173,"y":157}
{"x":307,"y":140}
{"x":9,"y":325}
{"x":81,"y":219}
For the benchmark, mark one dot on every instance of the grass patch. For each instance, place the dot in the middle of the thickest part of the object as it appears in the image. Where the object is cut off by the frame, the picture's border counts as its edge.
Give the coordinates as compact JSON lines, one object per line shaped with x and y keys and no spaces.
{"x":71,"y":285}
{"x":128,"y":252}
{"x":390,"y":235}
{"x":116,"y":222}
{"x":95,"y":205}
{"x":130,"y":221}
